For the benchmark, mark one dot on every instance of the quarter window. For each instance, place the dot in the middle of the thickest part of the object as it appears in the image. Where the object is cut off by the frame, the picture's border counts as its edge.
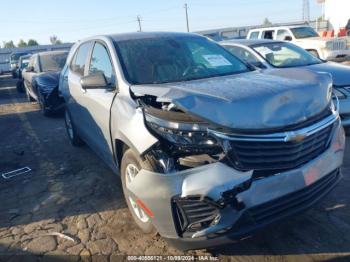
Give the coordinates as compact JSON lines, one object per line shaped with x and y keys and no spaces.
{"x":79,"y":61}
{"x":101,"y":62}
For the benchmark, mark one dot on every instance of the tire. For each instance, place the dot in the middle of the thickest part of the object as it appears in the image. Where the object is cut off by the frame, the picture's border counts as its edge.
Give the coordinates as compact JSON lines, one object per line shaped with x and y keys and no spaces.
{"x":314,"y":53}
{"x":73,"y":136}
{"x":19,"y":86}
{"x":347,"y":131}
{"x":129,"y":160}
{"x":29,"y":97}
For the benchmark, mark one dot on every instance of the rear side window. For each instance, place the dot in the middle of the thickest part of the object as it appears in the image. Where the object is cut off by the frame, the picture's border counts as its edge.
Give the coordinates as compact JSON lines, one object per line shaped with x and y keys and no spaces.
{"x":268,"y":34}
{"x":101,"y":62}
{"x":254,"y":35}
{"x":79,"y":60}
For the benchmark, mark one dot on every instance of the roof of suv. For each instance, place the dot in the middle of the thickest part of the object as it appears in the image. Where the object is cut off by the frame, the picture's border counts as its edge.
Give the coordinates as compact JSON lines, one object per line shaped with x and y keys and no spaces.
{"x":145,"y":35}
{"x":278,"y":27}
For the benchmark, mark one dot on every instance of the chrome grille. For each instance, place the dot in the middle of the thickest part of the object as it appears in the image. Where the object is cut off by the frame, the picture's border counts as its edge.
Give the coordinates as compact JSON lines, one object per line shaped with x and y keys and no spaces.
{"x":278,"y":151}
{"x":258,"y":155}
{"x":336,"y":45}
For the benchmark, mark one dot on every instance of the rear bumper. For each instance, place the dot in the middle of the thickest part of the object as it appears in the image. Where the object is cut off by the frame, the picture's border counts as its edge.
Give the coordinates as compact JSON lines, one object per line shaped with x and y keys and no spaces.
{"x":53,"y":101}
{"x":263,"y":202}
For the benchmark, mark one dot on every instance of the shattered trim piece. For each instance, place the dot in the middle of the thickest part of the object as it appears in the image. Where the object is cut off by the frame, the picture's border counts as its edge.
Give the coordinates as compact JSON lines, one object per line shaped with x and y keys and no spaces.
{"x":16,"y":172}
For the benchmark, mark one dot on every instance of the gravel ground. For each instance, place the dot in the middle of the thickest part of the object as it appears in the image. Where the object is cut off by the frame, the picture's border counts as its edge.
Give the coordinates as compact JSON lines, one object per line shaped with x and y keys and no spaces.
{"x":71,"y":205}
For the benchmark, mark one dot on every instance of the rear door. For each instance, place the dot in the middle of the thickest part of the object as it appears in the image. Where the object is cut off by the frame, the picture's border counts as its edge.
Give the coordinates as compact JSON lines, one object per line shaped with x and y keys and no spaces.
{"x":76,"y":70}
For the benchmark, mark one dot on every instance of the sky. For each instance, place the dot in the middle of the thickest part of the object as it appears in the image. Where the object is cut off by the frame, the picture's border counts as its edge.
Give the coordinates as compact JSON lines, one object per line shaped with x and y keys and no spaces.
{"x":72,"y":20}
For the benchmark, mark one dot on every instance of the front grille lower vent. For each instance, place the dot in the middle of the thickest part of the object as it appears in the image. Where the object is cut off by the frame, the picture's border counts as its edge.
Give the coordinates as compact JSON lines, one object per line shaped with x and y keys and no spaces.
{"x":194,"y":213}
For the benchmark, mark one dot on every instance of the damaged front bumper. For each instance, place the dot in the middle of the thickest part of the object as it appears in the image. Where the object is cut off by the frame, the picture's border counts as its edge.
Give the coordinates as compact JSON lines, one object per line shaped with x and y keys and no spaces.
{"x":215,"y":204}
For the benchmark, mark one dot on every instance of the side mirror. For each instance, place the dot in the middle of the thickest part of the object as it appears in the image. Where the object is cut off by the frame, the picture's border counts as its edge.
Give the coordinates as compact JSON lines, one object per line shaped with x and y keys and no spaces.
{"x":259,"y":65}
{"x":94,"y":81}
{"x":288,"y":38}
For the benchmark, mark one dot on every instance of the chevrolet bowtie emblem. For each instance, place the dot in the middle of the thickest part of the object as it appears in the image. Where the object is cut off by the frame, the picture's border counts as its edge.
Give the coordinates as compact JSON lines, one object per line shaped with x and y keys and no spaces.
{"x":295,"y":137}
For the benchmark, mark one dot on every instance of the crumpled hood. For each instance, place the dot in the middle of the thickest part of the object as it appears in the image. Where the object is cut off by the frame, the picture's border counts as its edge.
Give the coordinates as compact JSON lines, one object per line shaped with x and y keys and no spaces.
{"x":253,"y":100}
{"x":340,"y":73}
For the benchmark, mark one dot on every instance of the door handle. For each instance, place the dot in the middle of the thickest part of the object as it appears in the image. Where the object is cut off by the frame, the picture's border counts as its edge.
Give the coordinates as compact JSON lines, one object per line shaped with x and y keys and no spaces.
{"x":65,"y":78}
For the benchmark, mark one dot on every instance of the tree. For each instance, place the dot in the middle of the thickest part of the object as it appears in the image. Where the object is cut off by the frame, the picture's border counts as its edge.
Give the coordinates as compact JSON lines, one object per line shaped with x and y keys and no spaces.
{"x":21,"y":43}
{"x":9,"y":44}
{"x":267,"y":22}
{"x":54,"y":40}
{"x":32,"y":42}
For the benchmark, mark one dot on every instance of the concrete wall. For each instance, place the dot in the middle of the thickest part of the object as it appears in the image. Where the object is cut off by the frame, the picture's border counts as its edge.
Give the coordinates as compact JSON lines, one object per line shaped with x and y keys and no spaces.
{"x":338,"y":13}
{"x":6,"y":52}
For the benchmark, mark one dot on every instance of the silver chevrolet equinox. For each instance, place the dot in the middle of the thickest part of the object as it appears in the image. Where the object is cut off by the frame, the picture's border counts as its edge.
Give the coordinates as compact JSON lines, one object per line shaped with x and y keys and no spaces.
{"x":209,"y":148}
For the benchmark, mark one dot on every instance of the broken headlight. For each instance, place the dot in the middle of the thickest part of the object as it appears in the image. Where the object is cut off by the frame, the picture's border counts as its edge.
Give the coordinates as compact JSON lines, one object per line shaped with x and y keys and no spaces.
{"x":182,"y":132}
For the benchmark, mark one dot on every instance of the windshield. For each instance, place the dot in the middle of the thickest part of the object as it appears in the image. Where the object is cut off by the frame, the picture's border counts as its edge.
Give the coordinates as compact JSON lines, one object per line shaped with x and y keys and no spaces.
{"x":283,"y":54}
{"x":53,"y":62}
{"x":174,"y":59}
{"x":15,"y":57}
{"x":304,"y":32}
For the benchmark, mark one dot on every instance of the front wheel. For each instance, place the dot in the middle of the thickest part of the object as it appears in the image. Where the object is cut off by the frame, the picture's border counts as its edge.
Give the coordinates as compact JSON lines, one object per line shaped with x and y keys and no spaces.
{"x":29,"y":97}
{"x":130,"y":166}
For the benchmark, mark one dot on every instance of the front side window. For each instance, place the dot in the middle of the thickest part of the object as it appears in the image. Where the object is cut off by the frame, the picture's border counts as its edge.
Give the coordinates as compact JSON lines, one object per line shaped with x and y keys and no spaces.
{"x":282,"y":34}
{"x":304,"y":32}
{"x":31,"y":61}
{"x":254,"y":35}
{"x":175,"y":59}
{"x":79,"y":60}
{"x":53,"y":62}
{"x":243,"y":54}
{"x":101,"y":62}
{"x":285,"y":55}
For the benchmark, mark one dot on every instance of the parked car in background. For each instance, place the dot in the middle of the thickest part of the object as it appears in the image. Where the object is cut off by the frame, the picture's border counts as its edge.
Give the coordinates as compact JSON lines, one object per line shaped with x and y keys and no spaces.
{"x":275,"y":54}
{"x":22,"y":64}
{"x":208,"y":148}
{"x":307,"y":38}
{"x":41,"y":79}
{"x":14,"y":57}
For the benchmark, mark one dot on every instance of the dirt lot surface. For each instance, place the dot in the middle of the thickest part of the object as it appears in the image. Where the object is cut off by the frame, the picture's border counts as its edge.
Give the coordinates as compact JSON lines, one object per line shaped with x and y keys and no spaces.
{"x":71,"y":203}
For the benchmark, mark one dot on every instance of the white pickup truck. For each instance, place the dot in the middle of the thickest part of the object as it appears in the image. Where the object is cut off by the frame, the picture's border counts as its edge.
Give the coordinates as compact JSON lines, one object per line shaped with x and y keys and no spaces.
{"x":307,"y":38}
